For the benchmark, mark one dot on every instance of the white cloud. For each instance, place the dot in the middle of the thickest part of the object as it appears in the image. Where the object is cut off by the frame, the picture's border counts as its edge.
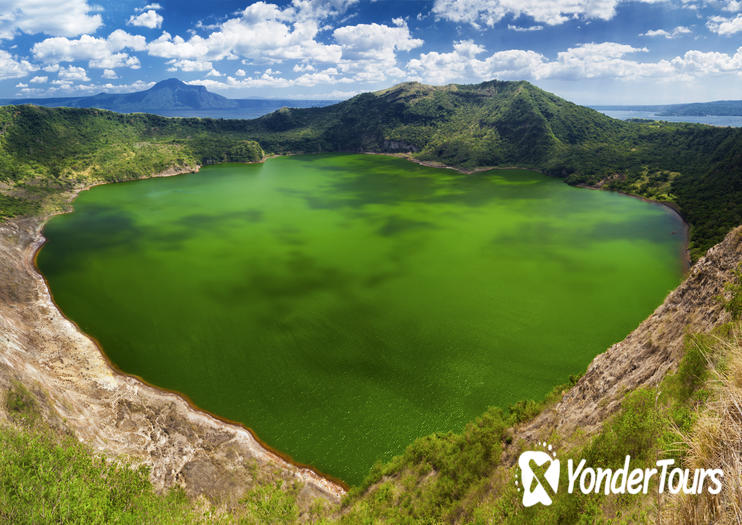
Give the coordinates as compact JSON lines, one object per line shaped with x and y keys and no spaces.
{"x":607,"y":60}
{"x":522,"y":29}
{"x":552,"y":12}
{"x":68,"y":18}
{"x":39,"y":80}
{"x":189,"y":65}
{"x":110,"y":74}
{"x":100,"y":52}
{"x":725,"y":26}
{"x":12,"y":67}
{"x":701,"y":63}
{"x":674,"y":33}
{"x":319,"y":9}
{"x":262,"y":32}
{"x":151,"y":19}
{"x":375,"y":42}
{"x":69,"y":87}
{"x":147,"y":7}
{"x":73,"y":74}
{"x":301,"y":68}
{"x":240,"y":73}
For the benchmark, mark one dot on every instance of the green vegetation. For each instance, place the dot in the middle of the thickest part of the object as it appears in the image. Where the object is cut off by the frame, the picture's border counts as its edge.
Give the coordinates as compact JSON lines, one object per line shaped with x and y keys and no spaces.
{"x":694,"y":167}
{"x":61,"y":147}
{"x":697,"y":168}
{"x":443,"y":478}
{"x":456,"y":478}
{"x":49,"y":477}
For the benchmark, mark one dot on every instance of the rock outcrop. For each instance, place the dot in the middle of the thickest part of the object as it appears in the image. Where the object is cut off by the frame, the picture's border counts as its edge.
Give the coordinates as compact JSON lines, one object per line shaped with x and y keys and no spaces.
{"x":648,"y":353}
{"x":115,"y":414}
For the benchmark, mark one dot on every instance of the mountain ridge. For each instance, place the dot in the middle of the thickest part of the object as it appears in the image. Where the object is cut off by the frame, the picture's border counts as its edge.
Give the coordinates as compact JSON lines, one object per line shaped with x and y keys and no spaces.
{"x":170,"y":94}
{"x":695,"y":168}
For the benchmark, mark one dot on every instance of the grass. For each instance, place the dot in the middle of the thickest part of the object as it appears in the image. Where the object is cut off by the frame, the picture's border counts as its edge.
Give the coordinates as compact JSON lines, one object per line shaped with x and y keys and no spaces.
{"x":694,"y":416}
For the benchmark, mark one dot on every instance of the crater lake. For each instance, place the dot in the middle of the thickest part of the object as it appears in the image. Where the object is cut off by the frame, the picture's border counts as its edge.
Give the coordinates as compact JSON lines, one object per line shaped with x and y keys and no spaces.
{"x":342,"y":306}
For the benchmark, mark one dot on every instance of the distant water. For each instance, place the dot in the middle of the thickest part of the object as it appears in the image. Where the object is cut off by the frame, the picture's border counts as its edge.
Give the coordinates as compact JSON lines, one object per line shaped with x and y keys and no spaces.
{"x":713,"y":120}
{"x":250,"y":109}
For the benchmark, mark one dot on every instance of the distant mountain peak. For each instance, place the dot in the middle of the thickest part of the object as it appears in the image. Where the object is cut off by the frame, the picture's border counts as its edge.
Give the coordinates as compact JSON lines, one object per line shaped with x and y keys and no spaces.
{"x":170,"y":82}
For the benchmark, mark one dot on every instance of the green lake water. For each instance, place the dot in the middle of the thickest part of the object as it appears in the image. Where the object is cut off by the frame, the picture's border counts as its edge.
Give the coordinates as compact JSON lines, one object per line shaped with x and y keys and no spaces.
{"x":342,"y":306}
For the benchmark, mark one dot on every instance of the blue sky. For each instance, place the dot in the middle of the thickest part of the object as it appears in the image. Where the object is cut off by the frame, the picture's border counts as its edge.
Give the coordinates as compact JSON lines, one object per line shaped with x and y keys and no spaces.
{"x":588,"y":51}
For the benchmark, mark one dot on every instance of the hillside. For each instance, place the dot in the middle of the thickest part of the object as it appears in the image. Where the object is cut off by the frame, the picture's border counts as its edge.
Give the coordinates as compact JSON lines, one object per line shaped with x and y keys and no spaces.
{"x":166,"y":94}
{"x":695,"y":168}
{"x":657,"y":388}
{"x":171,"y":97}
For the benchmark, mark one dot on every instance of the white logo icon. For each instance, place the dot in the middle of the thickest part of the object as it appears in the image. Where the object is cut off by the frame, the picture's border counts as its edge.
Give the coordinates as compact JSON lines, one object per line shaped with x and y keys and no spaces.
{"x":539,"y":475}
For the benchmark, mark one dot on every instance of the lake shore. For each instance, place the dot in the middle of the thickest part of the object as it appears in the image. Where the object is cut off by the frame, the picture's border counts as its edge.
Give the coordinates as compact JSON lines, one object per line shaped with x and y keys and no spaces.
{"x":687,"y":260}
{"x":76,"y":373}
{"x":114,"y":413}
{"x":685,"y":254}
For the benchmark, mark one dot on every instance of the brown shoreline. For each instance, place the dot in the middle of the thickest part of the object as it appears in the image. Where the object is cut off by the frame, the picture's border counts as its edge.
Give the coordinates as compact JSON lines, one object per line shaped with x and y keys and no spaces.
{"x":41,"y":240}
{"x":284,"y":456}
{"x":21,"y":239}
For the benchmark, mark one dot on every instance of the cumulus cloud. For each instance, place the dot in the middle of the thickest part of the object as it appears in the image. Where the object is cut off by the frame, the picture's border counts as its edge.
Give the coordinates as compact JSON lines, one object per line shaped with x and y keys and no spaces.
{"x":63,"y":86}
{"x":262,"y":32}
{"x":373,"y":45}
{"x":725,"y":26}
{"x":12,"y":67}
{"x":468,"y":61}
{"x":701,"y":63}
{"x":189,"y":65}
{"x":674,"y":33}
{"x":39,"y":80}
{"x":151,"y":19}
{"x":480,"y":13}
{"x":110,"y":74}
{"x":52,"y":17}
{"x":104,"y":53}
{"x":73,"y":74}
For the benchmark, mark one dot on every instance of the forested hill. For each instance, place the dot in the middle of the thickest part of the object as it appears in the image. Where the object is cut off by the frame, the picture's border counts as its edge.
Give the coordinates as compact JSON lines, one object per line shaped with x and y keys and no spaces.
{"x":697,"y":168}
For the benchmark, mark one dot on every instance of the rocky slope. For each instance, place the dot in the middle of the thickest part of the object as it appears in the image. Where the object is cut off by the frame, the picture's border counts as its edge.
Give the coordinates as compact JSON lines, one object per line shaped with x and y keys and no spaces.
{"x":646,"y":355}
{"x":115,"y":414}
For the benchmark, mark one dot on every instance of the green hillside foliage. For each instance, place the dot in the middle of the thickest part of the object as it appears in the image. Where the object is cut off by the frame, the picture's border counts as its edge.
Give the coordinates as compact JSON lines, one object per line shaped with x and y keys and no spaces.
{"x":435,"y":481}
{"x":694,"y":167}
{"x":63,"y":146}
{"x":463,"y":477}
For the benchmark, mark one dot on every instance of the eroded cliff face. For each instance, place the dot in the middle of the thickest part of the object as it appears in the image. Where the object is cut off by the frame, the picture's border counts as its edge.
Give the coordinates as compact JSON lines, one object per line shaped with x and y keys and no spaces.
{"x":648,"y":353}
{"x":115,"y":414}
